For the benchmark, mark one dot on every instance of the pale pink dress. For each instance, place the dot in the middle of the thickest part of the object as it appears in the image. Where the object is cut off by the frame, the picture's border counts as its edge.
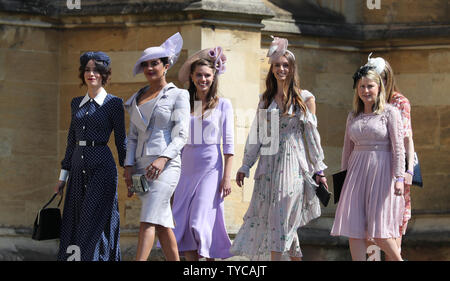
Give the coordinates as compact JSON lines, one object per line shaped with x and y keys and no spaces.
{"x":373,"y":156}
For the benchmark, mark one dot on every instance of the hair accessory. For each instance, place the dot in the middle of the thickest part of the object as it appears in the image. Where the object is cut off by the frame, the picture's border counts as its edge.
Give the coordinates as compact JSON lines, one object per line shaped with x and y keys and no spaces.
{"x":214,"y":55}
{"x":277,"y":48}
{"x":378,"y":63}
{"x":361,"y":72}
{"x":219,"y":59}
{"x":98,"y":56}
{"x":171,"y":49}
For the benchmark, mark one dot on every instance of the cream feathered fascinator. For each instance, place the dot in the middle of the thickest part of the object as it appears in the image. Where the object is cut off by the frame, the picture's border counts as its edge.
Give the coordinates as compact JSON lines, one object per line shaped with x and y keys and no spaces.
{"x":277,"y":48}
{"x":377,"y":63}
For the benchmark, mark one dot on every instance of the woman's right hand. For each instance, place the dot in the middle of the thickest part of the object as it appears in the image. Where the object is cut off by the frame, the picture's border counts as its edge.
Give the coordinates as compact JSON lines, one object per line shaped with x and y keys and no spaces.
{"x":127,"y":172}
{"x":240,"y":179}
{"x":59,"y":188}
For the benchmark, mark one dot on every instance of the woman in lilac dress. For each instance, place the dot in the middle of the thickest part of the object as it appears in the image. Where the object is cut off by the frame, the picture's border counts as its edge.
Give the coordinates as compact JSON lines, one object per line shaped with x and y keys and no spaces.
{"x":371,"y":203}
{"x":204,"y":182}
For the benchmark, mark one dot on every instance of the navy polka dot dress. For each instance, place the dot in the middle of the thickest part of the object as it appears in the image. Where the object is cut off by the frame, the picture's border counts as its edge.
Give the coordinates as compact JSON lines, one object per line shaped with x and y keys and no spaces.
{"x":91,"y":212}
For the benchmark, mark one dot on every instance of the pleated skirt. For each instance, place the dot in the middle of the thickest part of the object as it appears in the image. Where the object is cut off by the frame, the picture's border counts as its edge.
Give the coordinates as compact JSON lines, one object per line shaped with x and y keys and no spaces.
{"x":368,"y":207}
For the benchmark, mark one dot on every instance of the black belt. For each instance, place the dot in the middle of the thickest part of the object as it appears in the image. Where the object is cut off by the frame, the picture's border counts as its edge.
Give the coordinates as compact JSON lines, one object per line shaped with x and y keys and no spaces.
{"x":91,"y":143}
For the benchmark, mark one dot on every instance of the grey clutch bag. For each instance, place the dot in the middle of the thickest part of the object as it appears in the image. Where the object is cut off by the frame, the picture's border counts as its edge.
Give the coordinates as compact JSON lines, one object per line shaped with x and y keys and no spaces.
{"x":140,"y":183}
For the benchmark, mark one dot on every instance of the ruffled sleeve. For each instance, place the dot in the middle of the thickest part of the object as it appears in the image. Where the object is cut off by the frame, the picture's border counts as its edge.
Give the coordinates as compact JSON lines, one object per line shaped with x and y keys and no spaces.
{"x":312,"y":139}
{"x":252,"y":147}
{"x":396,"y":135}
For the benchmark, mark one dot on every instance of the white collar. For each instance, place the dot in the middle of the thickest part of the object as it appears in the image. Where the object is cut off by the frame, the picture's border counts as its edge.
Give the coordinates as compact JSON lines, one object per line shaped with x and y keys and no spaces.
{"x":99,"y":99}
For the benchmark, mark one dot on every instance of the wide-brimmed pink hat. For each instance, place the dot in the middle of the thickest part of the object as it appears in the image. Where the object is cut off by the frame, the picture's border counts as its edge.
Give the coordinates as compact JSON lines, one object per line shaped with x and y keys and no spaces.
{"x":170,"y":49}
{"x":277,"y":48}
{"x":214,"y":55}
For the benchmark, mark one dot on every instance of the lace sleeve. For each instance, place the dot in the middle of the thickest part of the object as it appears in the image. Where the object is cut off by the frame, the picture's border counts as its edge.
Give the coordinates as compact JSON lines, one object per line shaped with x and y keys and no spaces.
{"x":396,"y":134}
{"x":348,"y":144}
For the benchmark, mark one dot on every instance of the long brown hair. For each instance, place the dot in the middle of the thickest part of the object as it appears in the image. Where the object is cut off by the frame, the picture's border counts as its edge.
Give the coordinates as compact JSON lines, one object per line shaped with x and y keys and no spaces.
{"x":211,"y":98}
{"x":291,"y":89}
{"x":390,"y":86}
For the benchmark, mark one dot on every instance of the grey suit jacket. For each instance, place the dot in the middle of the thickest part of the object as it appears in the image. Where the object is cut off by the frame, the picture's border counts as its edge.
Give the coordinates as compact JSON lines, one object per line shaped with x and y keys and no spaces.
{"x":166,"y":131}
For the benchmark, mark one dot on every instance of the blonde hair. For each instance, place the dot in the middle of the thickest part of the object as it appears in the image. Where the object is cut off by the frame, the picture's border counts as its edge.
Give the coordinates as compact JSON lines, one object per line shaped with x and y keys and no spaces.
{"x":378,"y":107}
{"x":391,"y":86}
{"x":291,"y":89}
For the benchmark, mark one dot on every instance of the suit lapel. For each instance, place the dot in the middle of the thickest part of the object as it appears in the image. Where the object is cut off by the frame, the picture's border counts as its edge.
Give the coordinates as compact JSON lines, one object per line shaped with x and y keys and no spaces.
{"x":133,"y":110}
{"x":161,"y":94}
{"x":135,"y":113}
{"x":136,"y":117}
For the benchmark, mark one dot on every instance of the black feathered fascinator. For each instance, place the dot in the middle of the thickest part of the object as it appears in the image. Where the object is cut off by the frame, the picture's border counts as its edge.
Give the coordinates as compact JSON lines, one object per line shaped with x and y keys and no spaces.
{"x":361,"y":72}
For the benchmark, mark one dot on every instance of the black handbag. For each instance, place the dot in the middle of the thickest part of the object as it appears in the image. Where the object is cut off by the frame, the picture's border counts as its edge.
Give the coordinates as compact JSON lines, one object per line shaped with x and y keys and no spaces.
{"x":47,"y":224}
{"x":338,"y":182}
{"x":322,"y":193}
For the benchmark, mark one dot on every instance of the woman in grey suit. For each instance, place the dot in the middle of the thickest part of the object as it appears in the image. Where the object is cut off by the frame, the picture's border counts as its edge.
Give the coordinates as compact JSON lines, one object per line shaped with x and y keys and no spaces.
{"x":159,"y":123}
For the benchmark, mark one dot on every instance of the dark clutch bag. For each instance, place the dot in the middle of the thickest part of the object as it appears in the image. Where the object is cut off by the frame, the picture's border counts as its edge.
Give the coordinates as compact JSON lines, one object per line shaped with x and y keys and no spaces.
{"x":322,"y":193}
{"x":338,"y":182}
{"x":417,"y":177}
{"x":140,"y":183}
{"x":47,"y":224}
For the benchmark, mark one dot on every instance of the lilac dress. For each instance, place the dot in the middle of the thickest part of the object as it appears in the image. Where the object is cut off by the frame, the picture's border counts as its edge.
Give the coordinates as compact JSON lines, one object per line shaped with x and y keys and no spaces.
{"x":373,"y":156}
{"x":198,"y":206}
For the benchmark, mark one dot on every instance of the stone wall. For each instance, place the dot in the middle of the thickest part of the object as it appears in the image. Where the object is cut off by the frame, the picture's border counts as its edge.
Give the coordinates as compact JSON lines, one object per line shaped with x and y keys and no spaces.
{"x":39,"y":55}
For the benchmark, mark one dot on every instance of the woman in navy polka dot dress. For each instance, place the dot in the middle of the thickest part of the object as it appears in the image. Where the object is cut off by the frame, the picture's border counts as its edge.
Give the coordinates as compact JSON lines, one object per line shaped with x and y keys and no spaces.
{"x":90,"y":227}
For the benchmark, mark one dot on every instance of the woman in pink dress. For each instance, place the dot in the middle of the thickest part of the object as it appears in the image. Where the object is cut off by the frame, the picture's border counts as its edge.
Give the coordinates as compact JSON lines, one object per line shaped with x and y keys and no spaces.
{"x":198,"y":205}
{"x":394,"y":97}
{"x":371,"y":203}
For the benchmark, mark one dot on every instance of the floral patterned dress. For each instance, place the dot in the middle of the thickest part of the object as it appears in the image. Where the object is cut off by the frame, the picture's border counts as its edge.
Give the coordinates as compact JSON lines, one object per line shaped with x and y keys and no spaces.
{"x":402,"y":103}
{"x":284,"y":193}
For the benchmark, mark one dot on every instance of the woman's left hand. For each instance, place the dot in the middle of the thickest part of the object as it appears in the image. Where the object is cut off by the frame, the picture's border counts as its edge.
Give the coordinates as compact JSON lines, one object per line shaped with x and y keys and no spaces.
{"x":322,"y":179}
{"x":155,"y":169}
{"x":225,"y":187}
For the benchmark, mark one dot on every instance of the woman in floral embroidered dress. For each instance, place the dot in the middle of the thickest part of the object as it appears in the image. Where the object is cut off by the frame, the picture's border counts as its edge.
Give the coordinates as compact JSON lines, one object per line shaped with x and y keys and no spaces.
{"x":284,"y":193}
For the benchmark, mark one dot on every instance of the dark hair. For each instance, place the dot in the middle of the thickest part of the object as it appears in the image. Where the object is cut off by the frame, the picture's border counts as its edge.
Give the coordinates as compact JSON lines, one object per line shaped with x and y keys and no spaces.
{"x":212,"y":99}
{"x":361,"y":72}
{"x":164,"y":60}
{"x":103,"y":70}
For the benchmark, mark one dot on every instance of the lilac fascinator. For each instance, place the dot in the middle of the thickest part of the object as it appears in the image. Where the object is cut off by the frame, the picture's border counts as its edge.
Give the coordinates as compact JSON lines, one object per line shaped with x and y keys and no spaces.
{"x":214,"y":55}
{"x":171,"y":49}
{"x":277,"y":48}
